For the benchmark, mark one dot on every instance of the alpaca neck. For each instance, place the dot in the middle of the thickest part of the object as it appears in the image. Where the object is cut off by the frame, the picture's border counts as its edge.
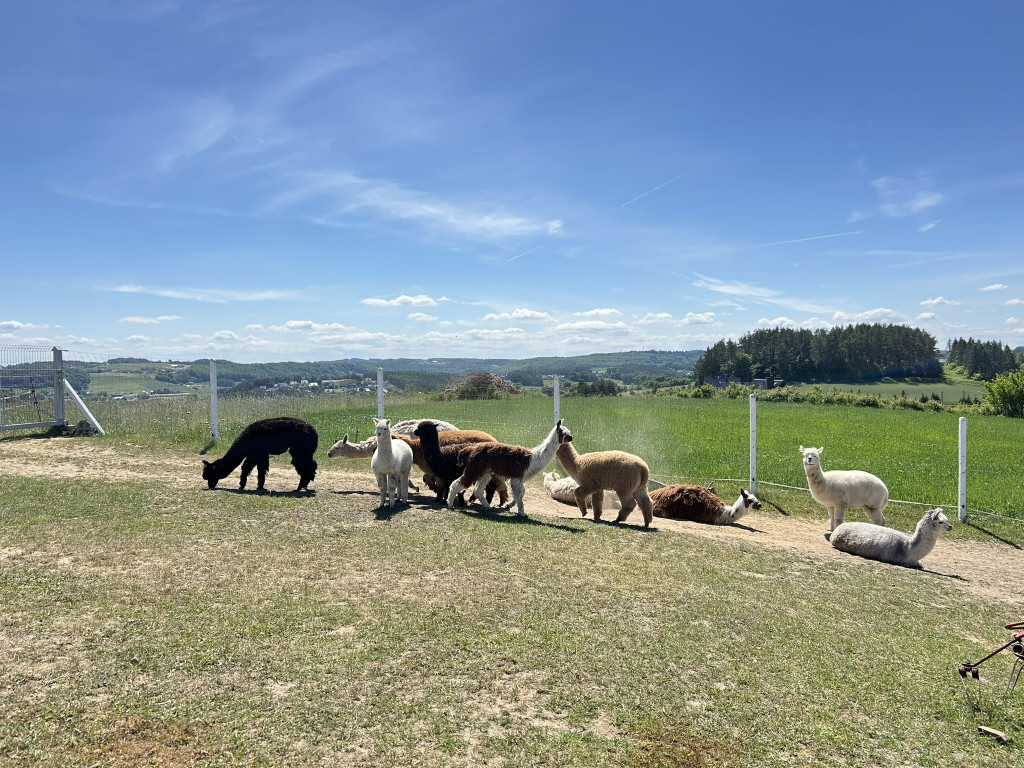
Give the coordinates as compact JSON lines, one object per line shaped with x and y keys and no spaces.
{"x":541,"y":456}
{"x":226,"y":464}
{"x":736,"y":511}
{"x":923,"y":541}
{"x":384,"y":447}
{"x":814,"y":475}
{"x":567,"y":457}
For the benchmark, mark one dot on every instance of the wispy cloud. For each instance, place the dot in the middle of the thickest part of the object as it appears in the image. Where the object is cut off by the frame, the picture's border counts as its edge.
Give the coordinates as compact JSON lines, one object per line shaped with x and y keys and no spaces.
{"x":605,"y":312}
{"x":929,"y":225}
{"x":652,"y":190}
{"x":879,"y":315}
{"x":698,"y":318}
{"x":1013,"y":302}
{"x":803,"y":239}
{"x":736,"y":288}
{"x":213,"y":295}
{"x":421,"y":317}
{"x":939,"y":301}
{"x":994,"y":287}
{"x":524,"y":253}
{"x":902,"y":197}
{"x":518,"y":314}
{"x":655,"y":317}
{"x":420,"y":300}
{"x":149,"y":320}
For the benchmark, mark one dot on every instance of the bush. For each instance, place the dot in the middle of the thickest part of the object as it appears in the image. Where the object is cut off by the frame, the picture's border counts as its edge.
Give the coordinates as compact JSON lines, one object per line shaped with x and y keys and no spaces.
{"x":1006,"y":394}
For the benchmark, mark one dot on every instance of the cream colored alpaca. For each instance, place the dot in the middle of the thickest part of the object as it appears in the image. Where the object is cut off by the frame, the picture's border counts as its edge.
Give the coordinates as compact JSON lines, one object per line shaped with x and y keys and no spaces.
{"x":391,"y":464}
{"x":617,"y":471}
{"x":563,"y":489}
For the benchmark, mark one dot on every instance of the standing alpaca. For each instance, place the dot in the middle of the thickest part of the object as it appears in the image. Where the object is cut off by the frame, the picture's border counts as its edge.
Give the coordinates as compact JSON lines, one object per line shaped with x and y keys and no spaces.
{"x":617,"y":471}
{"x":563,"y":489}
{"x":697,"y":503}
{"x":843,"y":489}
{"x":890,"y":546}
{"x":442,"y":457}
{"x":391,"y":463}
{"x":255,"y":445}
{"x":509,"y":461}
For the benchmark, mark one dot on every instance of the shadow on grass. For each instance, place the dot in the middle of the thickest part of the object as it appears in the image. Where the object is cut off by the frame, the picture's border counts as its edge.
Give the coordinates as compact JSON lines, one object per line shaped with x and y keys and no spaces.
{"x":265,"y":492}
{"x":987,"y":532}
{"x":207,"y":448}
{"x":496,"y":516}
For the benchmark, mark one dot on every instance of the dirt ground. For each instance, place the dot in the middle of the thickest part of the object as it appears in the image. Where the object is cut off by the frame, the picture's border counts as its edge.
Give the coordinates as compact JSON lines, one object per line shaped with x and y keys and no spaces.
{"x":988,"y":569}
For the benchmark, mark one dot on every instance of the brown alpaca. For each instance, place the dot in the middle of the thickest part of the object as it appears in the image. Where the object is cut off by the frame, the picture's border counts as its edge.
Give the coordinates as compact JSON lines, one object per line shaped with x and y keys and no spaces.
{"x":484,"y":460}
{"x":457,"y":437}
{"x":697,"y":503}
{"x":599,"y":471}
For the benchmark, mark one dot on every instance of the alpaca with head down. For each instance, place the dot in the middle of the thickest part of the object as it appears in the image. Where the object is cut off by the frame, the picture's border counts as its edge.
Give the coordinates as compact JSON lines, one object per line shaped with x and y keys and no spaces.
{"x":258,"y":442}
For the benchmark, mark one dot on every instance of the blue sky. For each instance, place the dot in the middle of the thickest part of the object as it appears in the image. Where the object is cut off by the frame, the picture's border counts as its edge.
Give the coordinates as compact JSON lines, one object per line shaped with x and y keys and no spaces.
{"x":259,"y":180}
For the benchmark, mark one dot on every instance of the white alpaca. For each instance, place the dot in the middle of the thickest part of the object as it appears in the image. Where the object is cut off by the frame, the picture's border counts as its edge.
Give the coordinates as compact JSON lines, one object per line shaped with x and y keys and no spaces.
{"x":343,"y":449}
{"x":843,"y":489}
{"x":391,"y":464}
{"x":563,"y":489}
{"x":599,"y":471}
{"x":513,"y":462}
{"x":891,"y":546}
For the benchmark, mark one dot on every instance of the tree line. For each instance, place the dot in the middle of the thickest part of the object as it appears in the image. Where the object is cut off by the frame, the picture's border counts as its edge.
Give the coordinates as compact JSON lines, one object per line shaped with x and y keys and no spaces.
{"x":860,"y":352}
{"x":982,"y":359}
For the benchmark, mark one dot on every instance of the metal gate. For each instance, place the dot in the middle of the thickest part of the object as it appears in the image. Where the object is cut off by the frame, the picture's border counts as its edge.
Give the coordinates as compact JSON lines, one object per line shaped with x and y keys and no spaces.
{"x":31,"y":387}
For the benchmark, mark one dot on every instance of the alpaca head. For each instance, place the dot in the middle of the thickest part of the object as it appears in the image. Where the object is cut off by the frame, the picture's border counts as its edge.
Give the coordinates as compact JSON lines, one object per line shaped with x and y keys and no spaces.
{"x":745,"y":503}
{"x":383,"y":427}
{"x":425,"y":426}
{"x":210,"y":474}
{"x":550,"y":478}
{"x":812,"y":456}
{"x":563,"y":433}
{"x":936,"y":520}
{"x":340,"y":448}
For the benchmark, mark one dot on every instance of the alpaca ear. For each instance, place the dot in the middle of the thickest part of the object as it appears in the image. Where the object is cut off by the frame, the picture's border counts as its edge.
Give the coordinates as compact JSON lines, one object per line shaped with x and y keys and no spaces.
{"x":387,"y":422}
{"x":743,"y":493}
{"x":801,"y":449}
{"x":206,"y":463}
{"x":344,"y":440}
{"x":821,"y":450}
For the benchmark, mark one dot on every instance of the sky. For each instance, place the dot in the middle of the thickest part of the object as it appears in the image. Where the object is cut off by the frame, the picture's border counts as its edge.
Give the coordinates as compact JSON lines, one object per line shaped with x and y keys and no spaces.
{"x":256,"y":180}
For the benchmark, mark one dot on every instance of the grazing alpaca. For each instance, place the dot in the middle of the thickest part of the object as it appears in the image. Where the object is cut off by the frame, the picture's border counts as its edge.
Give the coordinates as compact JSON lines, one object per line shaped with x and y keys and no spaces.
{"x":255,"y":445}
{"x":563,"y":489}
{"x":617,"y":471}
{"x":391,"y":464}
{"x":509,"y":461}
{"x":891,"y":546}
{"x":441,"y":456}
{"x":697,"y":503}
{"x":843,"y":489}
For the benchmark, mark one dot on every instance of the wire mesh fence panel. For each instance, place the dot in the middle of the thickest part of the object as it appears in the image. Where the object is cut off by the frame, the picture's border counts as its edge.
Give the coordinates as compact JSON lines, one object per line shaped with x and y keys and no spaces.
{"x":29,"y":377}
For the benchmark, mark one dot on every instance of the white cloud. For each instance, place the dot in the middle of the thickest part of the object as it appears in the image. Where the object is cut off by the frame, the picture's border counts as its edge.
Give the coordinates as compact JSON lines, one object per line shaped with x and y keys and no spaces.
{"x":590,"y":325}
{"x":656,"y":317}
{"x":420,"y":300}
{"x":939,"y":300}
{"x":929,"y":225}
{"x":777,"y":322}
{"x":149,"y":320}
{"x":899,"y":197}
{"x":736,"y":288}
{"x":879,"y":315}
{"x":226,"y":336}
{"x":15,"y":325}
{"x":606,"y":312}
{"x":554,"y":227}
{"x":420,"y":317}
{"x":994,"y":287}
{"x":310,"y":327}
{"x":1012,"y":321}
{"x":254,"y":327}
{"x":926,"y":316}
{"x":518,"y":314}
{"x":214,"y":295}
{"x":856,"y":216}
{"x":702,"y":318}
{"x":1013,"y":302}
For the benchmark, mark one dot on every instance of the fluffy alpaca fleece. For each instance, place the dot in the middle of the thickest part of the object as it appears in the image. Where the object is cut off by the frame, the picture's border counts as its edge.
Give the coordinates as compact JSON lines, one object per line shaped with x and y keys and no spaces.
{"x":697,"y":503}
{"x":842,"y":489}
{"x":563,"y":489}
{"x":391,"y":464}
{"x":345,"y":450}
{"x":509,"y":461}
{"x":617,"y":471}
{"x":891,"y":546}
{"x":440,"y":453}
{"x":258,"y":442}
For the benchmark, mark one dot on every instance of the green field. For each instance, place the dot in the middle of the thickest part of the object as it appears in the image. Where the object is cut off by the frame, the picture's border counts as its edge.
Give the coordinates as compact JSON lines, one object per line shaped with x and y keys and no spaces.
{"x":951,"y":389}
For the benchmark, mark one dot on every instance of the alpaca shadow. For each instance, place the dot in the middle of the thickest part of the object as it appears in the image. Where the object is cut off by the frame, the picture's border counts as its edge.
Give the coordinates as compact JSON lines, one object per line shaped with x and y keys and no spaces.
{"x":383,"y":514}
{"x":778,"y":509}
{"x":495,"y":515}
{"x":745,"y":527}
{"x":207,"y":448}
{"x":993,"y":535}
{"x":638,"y":527}
{"x":265,"y":492}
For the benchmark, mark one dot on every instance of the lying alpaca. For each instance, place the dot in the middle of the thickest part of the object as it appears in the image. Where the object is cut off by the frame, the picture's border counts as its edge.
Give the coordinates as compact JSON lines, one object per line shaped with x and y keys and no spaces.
{"x":617,"y":471}
{"x":701,"y":505}
{"x":441,"y":455}
{"x":890,"y":546}
{"x":391,"y":463}
{"x":255,"y":445}
{"x":563,"y":489}
{"x":843,"y":489}
{"x":509,"y":461}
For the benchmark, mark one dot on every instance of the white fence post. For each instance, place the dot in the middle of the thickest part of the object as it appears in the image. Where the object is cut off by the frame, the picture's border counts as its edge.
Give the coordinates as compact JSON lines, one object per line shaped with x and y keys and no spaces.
{"x":962,"y":484}
{"x":380,"y":393}
{"x":58,"y":385}
{"x":213,"y":400}
{"x":753,"y":445}
{"x":558,"y":392}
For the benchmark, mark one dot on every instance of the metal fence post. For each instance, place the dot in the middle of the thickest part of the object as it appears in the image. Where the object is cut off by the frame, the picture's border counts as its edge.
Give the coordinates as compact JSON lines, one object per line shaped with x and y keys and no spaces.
{"x":558,"y":402}
{"x":753,"y":445}
{"x":380,"y":393}
{"x":213,"y":400}
{"x":962,"y":484}
{"x":58,"y":385}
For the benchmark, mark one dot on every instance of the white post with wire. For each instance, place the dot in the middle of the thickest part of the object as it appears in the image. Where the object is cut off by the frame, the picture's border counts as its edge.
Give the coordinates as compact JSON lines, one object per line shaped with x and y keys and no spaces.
{"x":558,"y":391}
{"x":58,"y":385}
{"x":213,"y":400}
{"x":753,"y":445}
{"x":380,"y":393}
{"x":962,"y":484}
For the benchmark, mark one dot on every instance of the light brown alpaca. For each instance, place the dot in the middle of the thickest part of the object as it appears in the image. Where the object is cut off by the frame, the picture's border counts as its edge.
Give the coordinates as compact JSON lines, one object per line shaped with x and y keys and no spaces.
{"x":599,"y":471}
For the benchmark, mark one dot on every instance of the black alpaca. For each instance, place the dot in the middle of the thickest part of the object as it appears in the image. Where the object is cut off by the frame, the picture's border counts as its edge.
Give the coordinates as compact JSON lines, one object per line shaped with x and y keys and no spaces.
{"x":257,"y":442}
{"x":445,"y":462}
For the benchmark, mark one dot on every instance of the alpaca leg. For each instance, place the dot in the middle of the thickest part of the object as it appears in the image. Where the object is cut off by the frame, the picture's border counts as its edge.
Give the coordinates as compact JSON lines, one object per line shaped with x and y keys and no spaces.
{"x":454,"y":490}
{"x":262,"y":468}
{"x":480,"y":491}
{"x":403,"y":487}
{"x":628,"y":505}
{"x":518,"y":493}
{"x":875,"y":515}
{"x":581,"y":501}
{"x":382,"y":486}
{"x":247,"y":466}
{"x":646,"y":505}
{"x":597,"y":501}
{"x":307,"y":472}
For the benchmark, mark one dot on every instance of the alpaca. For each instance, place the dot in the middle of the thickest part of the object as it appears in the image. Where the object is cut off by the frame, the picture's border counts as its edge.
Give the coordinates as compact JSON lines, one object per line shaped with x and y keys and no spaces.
{"x":346,"y":450}
{"x":891,"y":546}
{"x":617,"y":471}
{"x":697,"y":503}
{"x":391,"y":463}
{"x":509,"y":461}
{"x":563,"y":489}
{"x":257,"y":442}
{"x":441,"y":456}
{"x":843,"y":489}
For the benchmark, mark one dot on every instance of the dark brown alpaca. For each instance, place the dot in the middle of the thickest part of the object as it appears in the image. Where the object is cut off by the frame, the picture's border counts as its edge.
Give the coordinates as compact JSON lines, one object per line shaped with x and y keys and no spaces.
{"x":261,"y":439}
{"x":697,"y":503}
{"x":441,"y":452}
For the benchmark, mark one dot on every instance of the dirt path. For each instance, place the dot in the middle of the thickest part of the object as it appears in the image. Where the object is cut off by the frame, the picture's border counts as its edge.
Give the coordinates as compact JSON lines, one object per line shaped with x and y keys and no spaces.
{"x":990,"y":570}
